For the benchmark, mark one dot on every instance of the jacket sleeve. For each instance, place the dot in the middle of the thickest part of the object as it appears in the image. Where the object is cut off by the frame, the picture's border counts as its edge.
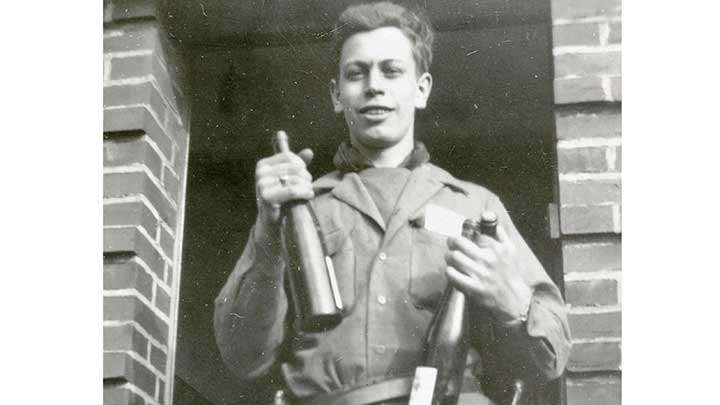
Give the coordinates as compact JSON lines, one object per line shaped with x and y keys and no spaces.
{"x":539,"y":348}
{"x":250,"y":312}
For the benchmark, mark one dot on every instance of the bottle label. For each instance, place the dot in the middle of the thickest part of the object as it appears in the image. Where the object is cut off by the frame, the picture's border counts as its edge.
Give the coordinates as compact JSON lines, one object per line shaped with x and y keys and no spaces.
{"x":333,"y":283}
{"x":423,"y":386}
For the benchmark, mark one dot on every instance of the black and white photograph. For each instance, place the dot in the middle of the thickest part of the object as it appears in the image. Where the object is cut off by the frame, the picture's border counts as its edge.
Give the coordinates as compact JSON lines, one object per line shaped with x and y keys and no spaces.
{"x":353,"y":202}
{"x":359,"y":202}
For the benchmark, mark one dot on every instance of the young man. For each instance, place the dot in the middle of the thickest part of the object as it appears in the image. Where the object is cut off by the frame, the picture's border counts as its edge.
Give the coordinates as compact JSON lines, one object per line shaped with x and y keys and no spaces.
{"x":391,"y":271}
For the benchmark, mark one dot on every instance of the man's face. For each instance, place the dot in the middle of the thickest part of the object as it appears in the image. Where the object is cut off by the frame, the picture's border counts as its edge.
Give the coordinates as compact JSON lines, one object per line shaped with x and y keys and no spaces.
{"x":378,"y":87}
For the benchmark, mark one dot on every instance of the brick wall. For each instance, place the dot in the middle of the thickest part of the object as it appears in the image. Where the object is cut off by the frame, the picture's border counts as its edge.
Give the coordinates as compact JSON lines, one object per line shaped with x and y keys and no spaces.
{"x":586,"y":50}
{"x":144,"y":152}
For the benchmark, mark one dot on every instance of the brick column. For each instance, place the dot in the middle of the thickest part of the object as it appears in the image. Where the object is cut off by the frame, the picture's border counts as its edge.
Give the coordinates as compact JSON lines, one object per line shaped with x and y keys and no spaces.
{"x":145,"y":153}
{"x":586,"y":49}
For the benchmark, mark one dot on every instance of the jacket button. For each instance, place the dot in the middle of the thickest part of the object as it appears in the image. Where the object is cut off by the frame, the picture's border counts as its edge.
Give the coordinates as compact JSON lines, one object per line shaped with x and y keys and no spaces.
{"x":382,"y":256}
{"x":380,"y":349}
{"x":381,"y":299}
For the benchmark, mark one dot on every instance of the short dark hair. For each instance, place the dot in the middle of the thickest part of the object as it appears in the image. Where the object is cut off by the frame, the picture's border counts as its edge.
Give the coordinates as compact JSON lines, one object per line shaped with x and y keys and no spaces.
{"x":370,"y":16}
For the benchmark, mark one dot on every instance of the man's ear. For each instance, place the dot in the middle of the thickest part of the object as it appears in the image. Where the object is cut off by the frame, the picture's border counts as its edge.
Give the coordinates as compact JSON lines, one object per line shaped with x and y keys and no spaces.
{"x":335,"y":96}
{"x":424,"y":86}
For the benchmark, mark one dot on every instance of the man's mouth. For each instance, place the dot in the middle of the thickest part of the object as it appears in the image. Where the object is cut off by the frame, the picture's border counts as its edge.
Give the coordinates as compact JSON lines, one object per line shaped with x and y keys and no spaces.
{"x":375,"y":110}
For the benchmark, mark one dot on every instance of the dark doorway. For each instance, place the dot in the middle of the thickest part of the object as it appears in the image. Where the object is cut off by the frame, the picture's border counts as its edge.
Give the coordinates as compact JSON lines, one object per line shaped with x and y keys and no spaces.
{"x":489,"y":120}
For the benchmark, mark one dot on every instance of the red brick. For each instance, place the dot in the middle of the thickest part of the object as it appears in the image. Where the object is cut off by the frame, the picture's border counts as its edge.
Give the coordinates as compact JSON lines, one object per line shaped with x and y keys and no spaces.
{"x":616,"y":88}
{"x":594,"y":255}
{"x":578,"y":90}
{"x":123,"y":151}
{"x":157,"y":358}
{"x":169,"y":274}
{"x":161,"y":391}
{"x":597,"y":123}
{"x":574,"y":9}
{"x":138,"y":183}
{"x":140,"y":93}
{"x":125,"y":337}
{"x":123,"y":367}
{"x":167,"y":242}
{"x":127,"y":275}
{"x":162,"y":301}
{"x":172,"y":184}
{"x":130,"y":213}
{"x":618,"y":158}
{"x":131,"y":66}
{"x":582,"y":160}
{"x":132,"y":309}
{"x":176,"y":127}
{"x":168,"y":88}
{"x":181,"y":154}
{"x":122,"y":240}
{"x":121,"y":396}
{"x":589,"y":326}
{"x":587,"y":219}
{"x":587,"y":64}
{"x":615,"y":33}
{"x":589,"y":192}
{"x":591,"y":292}
{"x":135,"y":37}
{"x":576,"y":34}
{"x":603,"y":390}
{"x":594,"y":356}
{"x":136,"y":118}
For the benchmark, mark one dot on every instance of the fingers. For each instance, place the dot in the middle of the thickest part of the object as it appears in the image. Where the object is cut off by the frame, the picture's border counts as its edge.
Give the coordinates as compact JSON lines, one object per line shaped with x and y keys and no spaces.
{"x":286,"y":157}
{"x":278,"y":170}
{"x":488,"y":253}
{"x":472,"y":267}
{"x":270,"y":190}
{"x":464,"y":245}
{"x":501,"y":246}
{"x":462,"y":282}
{"x":283,"y":177}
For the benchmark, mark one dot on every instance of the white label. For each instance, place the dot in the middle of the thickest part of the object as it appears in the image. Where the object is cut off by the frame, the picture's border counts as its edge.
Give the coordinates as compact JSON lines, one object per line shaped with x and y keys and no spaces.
{"x":333,"y":283}
{"x":423,"y":386}
{"x":443,"y":221}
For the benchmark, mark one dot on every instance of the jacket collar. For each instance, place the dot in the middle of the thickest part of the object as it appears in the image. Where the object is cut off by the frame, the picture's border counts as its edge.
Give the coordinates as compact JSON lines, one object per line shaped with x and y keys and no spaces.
{"x":424,"y":182}
{"x":331,"y":180}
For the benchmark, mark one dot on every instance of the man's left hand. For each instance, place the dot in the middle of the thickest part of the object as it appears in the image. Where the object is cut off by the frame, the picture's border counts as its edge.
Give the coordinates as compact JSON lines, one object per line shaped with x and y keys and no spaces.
{"x":488,"y":274}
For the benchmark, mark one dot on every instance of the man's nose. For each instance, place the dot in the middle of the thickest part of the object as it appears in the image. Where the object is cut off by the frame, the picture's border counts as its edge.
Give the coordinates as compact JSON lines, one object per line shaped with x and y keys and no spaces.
{"x":374,"y":83}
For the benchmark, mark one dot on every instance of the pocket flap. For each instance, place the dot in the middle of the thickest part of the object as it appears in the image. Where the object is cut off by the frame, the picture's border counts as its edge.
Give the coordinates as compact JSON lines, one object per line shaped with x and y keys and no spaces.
{"x":334,"y":239}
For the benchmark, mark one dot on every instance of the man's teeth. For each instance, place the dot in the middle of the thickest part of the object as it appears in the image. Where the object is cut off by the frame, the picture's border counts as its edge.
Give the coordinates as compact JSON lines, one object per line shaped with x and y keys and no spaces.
{"x":376,"y":111}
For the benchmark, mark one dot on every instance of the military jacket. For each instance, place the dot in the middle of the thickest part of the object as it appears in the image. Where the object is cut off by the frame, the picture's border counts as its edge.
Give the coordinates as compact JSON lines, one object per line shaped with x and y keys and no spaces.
{"x":391,"y":278}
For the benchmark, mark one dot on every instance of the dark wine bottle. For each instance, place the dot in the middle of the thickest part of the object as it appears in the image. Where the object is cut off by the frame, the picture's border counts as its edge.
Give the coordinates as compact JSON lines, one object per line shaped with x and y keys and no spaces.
{"x":488,"y":226}
{"x":313,"y":287}
{"x":446,"y":347}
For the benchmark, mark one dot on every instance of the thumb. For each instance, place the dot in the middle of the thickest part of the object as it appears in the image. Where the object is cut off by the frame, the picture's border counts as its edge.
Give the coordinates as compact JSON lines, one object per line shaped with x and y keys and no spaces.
{"x":306,"y":155}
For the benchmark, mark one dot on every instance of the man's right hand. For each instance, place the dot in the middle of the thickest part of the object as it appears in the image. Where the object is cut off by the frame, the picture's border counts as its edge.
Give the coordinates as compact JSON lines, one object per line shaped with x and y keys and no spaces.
{"x":280,"y":178}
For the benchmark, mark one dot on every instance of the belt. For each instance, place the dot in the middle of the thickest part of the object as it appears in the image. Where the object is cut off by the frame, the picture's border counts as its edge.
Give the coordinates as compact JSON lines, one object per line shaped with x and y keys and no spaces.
{"x":386,"y":390}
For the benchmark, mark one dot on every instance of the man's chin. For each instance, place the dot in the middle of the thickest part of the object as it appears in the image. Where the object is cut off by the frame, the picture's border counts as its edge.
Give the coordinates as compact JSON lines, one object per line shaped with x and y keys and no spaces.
{"x":378,"y":141}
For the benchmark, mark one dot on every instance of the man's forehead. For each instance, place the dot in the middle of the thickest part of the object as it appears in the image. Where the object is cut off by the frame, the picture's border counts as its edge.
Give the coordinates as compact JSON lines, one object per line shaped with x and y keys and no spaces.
{"x":380,"y":44}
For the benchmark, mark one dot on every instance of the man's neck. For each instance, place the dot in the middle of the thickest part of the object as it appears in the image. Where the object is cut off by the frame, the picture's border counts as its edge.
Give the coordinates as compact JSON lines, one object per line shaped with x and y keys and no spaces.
{"x":388,"y":157}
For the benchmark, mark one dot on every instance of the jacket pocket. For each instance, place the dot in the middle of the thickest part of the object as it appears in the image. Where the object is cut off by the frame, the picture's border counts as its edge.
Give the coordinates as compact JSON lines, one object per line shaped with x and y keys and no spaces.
{"x":339,"y":248}
{"x":427,"y":268}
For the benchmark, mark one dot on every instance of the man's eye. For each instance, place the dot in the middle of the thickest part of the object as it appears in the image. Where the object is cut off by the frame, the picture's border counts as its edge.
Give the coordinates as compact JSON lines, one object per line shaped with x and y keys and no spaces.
{"x":353,"y":74}
{"x":393,"y":72}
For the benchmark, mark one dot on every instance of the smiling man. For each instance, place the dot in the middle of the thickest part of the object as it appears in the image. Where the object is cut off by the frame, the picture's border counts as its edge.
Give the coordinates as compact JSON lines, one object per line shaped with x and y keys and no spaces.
{"x":391,"y":268}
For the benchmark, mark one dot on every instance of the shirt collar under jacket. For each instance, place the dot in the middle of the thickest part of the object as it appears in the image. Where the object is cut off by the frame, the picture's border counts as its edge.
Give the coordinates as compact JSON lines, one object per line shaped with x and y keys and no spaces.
{"x":348,"y":159}
{"x":331,"y":180}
